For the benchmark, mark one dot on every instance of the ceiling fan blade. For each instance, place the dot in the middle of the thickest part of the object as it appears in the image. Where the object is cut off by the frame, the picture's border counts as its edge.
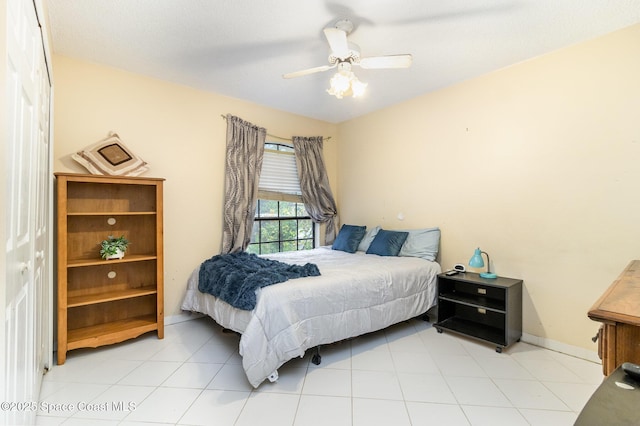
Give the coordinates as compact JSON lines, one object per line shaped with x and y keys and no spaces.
{"x":337,"y":39}
{"x":389,"y":61}
{"x":308,"y":71}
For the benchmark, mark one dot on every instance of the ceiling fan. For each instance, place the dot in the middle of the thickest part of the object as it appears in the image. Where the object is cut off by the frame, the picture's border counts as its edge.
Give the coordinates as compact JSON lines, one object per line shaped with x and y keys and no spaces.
{"x":343,"y":56}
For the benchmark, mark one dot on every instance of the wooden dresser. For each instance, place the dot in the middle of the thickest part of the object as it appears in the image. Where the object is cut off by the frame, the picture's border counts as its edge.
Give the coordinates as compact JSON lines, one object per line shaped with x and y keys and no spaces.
{"x":618,"y":309}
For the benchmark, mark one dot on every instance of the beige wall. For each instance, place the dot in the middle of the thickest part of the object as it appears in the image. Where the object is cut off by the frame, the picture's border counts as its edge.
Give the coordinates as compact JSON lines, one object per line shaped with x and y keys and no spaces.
{"x":538,"y":164}
{"x":180,"y":133}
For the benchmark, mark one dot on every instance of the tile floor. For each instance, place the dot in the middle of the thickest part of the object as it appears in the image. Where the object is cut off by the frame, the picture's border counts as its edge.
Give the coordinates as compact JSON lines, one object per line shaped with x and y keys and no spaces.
{"x":405,"y":375}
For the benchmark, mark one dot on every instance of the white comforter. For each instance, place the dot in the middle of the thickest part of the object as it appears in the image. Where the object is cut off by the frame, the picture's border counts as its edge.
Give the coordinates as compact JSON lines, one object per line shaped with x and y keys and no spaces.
{"x":355,"y":294}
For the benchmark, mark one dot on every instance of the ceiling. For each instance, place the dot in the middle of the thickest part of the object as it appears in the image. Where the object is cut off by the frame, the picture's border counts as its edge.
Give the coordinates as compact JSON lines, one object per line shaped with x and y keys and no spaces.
{"x":241,"y":48}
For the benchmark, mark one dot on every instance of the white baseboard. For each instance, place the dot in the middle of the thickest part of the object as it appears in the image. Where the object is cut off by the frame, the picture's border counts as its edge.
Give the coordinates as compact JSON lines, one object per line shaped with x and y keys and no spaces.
{"x":561,"y":347}
{"x":181,"y":317}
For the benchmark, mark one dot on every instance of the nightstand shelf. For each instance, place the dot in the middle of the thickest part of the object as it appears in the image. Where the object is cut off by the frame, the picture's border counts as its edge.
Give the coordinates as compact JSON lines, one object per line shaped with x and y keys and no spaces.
{"x":471,"y":328}
{"x":486,"y":309}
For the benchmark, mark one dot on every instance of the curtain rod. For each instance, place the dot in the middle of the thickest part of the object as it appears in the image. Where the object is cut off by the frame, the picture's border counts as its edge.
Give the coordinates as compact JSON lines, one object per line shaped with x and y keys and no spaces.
{"x":279,"y":137}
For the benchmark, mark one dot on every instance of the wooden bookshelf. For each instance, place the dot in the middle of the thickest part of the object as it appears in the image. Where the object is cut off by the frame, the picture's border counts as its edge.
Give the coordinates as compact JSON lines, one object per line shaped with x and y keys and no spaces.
{"x":101,"y":302}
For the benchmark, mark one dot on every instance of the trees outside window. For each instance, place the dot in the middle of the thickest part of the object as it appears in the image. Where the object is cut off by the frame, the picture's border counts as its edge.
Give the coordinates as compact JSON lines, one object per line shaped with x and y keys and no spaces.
{"x":281,"y":226}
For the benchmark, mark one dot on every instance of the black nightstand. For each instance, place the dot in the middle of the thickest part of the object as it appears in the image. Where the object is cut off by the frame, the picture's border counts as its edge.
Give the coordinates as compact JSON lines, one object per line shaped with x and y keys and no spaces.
{"x":486,"y":309}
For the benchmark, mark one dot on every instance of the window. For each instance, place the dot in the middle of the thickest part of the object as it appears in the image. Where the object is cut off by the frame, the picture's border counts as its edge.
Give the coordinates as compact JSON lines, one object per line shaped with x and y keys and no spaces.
{"x":281,"y":226}
{"x":281,"y":222}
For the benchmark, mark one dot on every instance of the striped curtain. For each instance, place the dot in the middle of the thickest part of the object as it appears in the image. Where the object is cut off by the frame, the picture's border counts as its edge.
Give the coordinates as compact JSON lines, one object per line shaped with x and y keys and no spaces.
{"x":314,"y":183}
{"x":245,"y":150}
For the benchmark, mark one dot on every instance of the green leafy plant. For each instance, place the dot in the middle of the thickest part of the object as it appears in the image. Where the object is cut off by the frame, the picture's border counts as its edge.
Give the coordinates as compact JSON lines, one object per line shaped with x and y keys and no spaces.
{"x":111,"y":245}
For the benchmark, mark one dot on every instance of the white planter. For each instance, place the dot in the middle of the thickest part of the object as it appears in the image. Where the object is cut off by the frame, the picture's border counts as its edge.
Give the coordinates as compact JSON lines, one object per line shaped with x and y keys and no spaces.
{"x":119,"y":255}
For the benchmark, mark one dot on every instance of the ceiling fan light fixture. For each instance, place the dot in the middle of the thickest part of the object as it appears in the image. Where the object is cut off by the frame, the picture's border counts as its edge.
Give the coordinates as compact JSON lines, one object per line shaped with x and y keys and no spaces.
{"x":358,"y":87}
{"x":345,"y":83}
{"x":343,"y":54}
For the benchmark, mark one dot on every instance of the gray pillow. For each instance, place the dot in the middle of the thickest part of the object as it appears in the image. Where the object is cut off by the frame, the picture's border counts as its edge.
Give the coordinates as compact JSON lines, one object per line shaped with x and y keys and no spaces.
{"x":422,"y":243}
{"x":368,"y":237}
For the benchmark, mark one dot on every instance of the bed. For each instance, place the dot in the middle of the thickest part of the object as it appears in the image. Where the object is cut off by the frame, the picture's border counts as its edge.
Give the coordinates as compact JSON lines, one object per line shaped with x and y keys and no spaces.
{"x":355,"y":294}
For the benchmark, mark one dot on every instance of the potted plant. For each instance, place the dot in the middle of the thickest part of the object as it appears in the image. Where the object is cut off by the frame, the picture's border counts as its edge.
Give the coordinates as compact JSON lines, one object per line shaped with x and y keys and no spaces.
{"x":113,"y":247}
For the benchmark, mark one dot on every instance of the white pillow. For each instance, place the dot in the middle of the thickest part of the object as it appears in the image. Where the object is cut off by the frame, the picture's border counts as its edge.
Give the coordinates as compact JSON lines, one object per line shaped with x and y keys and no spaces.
{"x":110,"y":156}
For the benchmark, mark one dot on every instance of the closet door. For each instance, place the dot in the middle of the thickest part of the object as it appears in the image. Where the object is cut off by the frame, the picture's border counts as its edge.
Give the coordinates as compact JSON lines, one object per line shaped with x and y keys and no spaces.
{"x":43,"y":237}
{"x":27,"y":248}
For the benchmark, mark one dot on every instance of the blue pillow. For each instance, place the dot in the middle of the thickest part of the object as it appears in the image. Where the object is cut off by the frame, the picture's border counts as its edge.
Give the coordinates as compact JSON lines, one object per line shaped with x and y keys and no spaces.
{"x":348,"y":238}
{"x":387,"y":243}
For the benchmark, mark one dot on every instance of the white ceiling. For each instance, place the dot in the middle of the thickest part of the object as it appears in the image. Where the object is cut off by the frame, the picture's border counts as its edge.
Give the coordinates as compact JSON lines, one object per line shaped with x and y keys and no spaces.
{"x":241,"y":48}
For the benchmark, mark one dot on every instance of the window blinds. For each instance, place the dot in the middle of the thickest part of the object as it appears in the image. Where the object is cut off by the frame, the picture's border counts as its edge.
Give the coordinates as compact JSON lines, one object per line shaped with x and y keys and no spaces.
{"x":279,"y":173}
